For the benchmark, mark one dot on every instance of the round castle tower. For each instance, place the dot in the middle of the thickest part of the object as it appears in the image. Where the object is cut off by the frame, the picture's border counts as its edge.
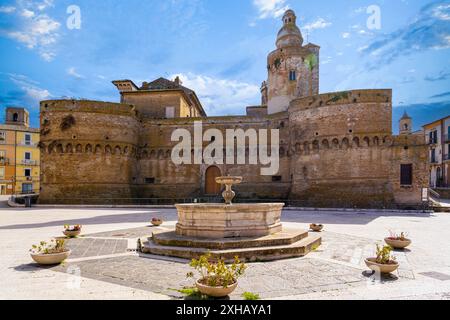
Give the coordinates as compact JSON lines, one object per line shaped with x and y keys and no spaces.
{"x":293,"y":69}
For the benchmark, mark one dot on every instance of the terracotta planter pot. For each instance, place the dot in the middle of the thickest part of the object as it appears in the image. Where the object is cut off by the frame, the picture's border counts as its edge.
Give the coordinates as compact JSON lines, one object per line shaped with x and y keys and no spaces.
{"x":398,"y":244}
{"x":49,"y":259}
{"x":382,"y":268}
{"x":316,"y":227}
{"x":157,"y":223}
{"x":216,"y":292}
{"x":71,"y":234}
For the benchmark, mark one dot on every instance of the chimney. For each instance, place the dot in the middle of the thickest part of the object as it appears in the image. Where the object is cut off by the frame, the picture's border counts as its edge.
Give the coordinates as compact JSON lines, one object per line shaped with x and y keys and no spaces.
{"x":178,"y":81}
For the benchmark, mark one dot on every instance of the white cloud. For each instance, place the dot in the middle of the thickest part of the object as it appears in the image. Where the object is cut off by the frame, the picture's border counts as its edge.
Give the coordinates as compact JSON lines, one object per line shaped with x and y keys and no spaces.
{"x":37,"y":94}
{"x":30,"y":87}
{"x":36,"y":30}
{"x":73,"y":72}
{"x":7,"y":9}
{"x":27,"y":13}
{"x":45,"y":4}
{"x":221,"y":96}
{"x":442,"y":12}
{"x":318,"y":24}
{"x":270,"y":8}
{"x":346,"y":35}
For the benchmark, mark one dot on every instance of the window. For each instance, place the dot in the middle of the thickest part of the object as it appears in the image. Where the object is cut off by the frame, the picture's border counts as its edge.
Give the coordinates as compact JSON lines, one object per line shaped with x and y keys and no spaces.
{"x":27,"y":156}
{"x":15,"y":117}
{"x":27,"y":188}
{"x":433,"y":156}
{"x":170,"y":112}
{"x":276,"y":179}
{"x":292,"y":75}
{"x":28,"y":139}
{"x":2,"y":136}
{"x":150,"y":180}
{"x":2,"y":173}
{"x":406,"y":174}
{"x":27,"y":172}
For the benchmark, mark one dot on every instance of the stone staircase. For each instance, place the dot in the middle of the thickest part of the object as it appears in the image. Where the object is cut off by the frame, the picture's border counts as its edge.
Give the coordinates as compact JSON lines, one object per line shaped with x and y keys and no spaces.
{"x":286,"y":244}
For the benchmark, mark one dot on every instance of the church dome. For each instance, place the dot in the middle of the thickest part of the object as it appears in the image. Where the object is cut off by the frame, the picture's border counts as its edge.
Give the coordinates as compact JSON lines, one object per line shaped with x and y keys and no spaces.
{"x":290,"y":34}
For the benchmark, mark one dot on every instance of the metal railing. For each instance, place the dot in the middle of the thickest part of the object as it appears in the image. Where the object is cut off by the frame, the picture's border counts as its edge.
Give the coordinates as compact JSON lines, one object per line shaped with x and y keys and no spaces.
{"x":4,"y":161}
{"x":30,"y":162}
{"x":447,"y":138}
{"x":447,"y":156}
{"x":27,"y":144}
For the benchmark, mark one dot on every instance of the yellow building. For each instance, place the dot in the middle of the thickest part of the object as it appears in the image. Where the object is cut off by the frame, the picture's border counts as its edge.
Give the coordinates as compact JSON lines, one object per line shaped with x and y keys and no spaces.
{"x":19,"y":154}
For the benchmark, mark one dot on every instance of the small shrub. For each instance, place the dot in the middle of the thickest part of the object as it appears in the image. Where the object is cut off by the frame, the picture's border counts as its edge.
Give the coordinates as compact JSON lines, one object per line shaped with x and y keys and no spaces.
{"x":72,"y":228}
{"x":217,"y":274}
{"x":384,"y":255}
{"x":52,"y":247}
{"x":402,"y":236}
{"x":251,"y":296}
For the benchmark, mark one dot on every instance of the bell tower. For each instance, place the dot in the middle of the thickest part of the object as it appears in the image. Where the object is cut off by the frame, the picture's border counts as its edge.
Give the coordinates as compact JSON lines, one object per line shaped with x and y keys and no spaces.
{"x":405,"y":124}
{"x":293,"y":68}
{"x":17,"y":116}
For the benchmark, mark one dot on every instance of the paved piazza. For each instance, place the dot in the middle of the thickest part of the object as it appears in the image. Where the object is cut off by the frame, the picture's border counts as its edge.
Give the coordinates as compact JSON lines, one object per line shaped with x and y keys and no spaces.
{"x":105,"y":264}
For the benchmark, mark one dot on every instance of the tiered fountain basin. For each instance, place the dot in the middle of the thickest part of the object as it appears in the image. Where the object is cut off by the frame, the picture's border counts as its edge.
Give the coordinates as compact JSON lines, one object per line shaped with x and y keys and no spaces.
{"x":217,"y":221}
{"x":253,"y":232}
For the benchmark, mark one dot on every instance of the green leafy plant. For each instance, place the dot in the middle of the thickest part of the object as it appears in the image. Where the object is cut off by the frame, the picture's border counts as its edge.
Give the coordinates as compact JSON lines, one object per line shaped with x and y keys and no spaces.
{"x":311,"y":63}
{"x":52,"y":247}
{"x":251,"y":296}
{"x":192,"y":293}
{"x":277,"y":63}
{"x":217,"y":274}
{"x":339,"y":96}
{"x":384,"y":255}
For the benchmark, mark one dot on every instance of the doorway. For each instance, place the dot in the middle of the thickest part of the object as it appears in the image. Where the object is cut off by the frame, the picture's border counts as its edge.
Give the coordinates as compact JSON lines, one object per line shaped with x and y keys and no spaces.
{"x":211,"y":187}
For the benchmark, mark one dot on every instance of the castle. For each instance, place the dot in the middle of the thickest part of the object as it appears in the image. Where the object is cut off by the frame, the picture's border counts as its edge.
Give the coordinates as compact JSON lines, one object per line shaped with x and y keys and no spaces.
{"x":336,"y":149}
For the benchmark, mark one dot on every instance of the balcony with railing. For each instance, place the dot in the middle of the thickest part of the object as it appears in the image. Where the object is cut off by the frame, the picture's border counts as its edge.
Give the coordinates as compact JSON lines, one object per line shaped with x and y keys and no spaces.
{"x":434,"y":160}
{"x":447,"y":157}
{"x":447,"y":138}
{"x":27,"y":144}
{"x":4,"y":161}
{"x":27,"y":179}
{"x":432,"y":141}
{"x":29,"y":162}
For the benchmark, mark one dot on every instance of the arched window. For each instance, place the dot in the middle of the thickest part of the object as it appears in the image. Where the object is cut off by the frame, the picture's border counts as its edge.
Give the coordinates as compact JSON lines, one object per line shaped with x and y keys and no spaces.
{"x":15,"y":117}
{"x":292,"y":75}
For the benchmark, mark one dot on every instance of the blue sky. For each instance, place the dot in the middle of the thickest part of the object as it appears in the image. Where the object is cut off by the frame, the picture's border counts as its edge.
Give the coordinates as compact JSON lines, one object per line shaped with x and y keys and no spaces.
{"x":219,"y":48}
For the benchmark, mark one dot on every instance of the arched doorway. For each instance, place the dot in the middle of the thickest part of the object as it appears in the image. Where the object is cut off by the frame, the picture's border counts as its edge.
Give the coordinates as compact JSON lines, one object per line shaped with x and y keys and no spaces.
{"x":211,"y":187}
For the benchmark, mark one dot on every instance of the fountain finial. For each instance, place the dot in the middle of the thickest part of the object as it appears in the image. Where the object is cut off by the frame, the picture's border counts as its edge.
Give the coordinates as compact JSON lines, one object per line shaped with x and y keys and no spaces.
{"x":228,"y":181}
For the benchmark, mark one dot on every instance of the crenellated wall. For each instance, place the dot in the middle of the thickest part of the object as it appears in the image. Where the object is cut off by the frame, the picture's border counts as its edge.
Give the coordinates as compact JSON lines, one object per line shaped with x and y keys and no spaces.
{"x":336,"y":150}
{"x":88,"y":151}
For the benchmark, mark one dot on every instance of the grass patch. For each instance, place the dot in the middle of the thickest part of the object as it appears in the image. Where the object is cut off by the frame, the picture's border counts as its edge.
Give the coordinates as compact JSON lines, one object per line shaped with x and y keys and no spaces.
{"x":251,"y":296}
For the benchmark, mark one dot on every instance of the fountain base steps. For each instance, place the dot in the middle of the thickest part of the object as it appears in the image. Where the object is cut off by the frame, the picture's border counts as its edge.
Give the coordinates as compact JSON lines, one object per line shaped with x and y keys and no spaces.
{"x":282,"y":245}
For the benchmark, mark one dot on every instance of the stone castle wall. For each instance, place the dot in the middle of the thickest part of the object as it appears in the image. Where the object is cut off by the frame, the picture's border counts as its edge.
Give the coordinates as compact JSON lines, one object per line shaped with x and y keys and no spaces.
{"x":335,"y":150}
{"x":88,"y":150}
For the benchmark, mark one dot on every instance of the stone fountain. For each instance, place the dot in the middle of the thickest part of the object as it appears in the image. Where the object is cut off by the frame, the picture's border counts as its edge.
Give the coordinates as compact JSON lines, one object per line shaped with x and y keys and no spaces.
{"x":250,"y":231}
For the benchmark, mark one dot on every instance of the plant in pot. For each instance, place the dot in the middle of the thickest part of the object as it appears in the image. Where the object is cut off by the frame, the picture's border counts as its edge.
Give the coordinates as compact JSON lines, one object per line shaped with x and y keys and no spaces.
{"x":48,"y":253}
{"x":384,"y":262}
{"x":398,"y":241}
{"x":156,"y":222}
{"x":216,"y":278}
{"x":316,"y":227}
{"x":72,"y":231}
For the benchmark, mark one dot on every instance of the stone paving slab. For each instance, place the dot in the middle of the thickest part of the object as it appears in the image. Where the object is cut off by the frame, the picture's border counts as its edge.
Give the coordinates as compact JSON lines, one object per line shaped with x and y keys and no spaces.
{"x":269,"y":280}
{"x":85,"y":247}
{"x":133,"y":233}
